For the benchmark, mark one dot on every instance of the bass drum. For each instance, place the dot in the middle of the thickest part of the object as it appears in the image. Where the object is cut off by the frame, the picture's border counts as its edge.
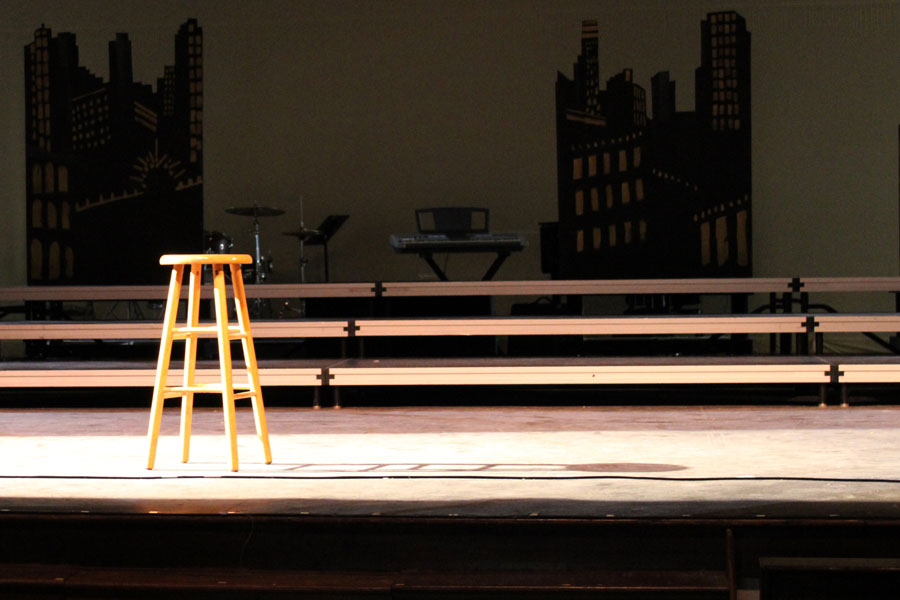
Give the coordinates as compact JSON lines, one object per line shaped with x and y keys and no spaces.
{"x":216,"y":242}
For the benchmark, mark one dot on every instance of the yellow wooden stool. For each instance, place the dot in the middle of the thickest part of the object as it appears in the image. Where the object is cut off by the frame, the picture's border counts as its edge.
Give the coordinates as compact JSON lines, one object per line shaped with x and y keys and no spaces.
{"x":190,"y":333}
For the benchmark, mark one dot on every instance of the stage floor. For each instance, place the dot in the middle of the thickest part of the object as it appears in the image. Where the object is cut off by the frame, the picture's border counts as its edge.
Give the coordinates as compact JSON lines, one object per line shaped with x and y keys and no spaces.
{"x":766,"y":462}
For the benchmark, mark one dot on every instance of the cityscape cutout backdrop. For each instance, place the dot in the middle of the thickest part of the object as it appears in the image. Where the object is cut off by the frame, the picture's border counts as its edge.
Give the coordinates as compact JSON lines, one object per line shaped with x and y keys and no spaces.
{"x":114,"y":169}
{"x":661,"y":195}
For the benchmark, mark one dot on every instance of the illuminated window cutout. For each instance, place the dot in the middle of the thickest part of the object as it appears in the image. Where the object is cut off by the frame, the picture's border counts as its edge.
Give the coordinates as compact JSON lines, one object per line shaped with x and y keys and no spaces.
{"x":626,"y":193}
{"x":623,"y":161}
{"x":595,"y":199}
{"x":579,"y":202}
{"x":722,"y":240}
{"x":607,"y":163}
{"x":612,"y":236}
{"x":579,"y":241}
{"x":576,"y":168}
{"x":598,"y":237}
{"x":609,"y":196}
{"x":627,"y":232}
{"x":639,"y":189}
{"x":592,"y":165}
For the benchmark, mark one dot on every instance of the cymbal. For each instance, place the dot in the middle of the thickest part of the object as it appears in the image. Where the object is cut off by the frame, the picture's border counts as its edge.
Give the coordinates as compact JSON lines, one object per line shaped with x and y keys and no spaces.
{"x":304,"y":234}
{"x":254,"y":211}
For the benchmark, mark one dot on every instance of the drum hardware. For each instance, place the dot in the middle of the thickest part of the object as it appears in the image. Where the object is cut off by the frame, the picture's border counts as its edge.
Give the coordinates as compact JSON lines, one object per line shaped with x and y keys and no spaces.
{"x":259,"y":272}
{"x":303,"y":236}
{"x":262,"y":266}
{"x":216,"y":242}
{"x":317,"y":237}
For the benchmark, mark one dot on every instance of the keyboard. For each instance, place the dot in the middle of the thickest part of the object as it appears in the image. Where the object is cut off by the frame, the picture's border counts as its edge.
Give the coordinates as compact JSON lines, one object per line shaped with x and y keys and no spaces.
{"x":473,"y":242}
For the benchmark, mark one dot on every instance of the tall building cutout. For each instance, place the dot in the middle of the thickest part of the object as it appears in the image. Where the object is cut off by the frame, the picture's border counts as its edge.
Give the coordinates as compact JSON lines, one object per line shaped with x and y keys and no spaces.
{"x":115,"y":170}
{"x":661,"y":195}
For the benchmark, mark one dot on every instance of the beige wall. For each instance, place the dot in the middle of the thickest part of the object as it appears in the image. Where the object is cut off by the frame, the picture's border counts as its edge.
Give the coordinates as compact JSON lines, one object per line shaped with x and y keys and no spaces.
{"x":374,"y":108}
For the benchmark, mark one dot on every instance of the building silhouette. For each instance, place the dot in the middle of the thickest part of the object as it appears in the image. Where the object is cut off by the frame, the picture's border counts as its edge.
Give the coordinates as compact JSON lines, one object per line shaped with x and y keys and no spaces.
{"x":660,"y":195}
{"x":114,"y":168}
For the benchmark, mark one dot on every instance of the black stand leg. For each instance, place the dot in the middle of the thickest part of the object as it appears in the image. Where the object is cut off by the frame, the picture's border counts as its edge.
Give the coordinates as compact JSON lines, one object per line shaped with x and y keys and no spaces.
{"x":434,"y":266}
{"x":501,"y":256}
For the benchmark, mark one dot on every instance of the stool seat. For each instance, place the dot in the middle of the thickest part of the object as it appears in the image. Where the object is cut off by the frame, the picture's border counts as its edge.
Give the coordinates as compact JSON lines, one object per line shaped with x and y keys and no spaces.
{"x":190,"y":333}
{"x":205,"y":259}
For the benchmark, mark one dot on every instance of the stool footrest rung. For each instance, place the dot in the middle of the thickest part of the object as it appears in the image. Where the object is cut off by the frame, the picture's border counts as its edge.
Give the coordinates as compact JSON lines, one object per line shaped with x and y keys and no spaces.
{"x":180,"y":333}
{"x":203,"y":388}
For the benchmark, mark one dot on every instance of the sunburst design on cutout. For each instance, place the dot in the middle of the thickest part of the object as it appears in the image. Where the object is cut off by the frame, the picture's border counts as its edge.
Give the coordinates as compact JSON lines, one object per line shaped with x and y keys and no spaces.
{"x":154,"y":168}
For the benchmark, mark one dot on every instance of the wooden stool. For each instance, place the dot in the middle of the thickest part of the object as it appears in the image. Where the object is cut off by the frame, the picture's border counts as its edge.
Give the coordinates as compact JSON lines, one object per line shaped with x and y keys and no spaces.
{"x":190,"y":334}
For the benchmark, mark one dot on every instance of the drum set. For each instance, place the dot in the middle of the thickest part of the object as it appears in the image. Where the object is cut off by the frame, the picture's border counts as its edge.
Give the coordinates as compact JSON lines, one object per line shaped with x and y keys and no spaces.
{"x":217,"y":242}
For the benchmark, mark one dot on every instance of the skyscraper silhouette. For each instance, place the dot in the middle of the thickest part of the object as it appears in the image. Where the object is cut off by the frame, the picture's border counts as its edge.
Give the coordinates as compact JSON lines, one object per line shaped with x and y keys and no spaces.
{"x":661,"y":196}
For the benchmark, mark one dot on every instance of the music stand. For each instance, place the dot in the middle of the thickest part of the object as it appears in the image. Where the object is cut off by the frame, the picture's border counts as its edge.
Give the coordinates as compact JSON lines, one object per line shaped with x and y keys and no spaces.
{"x":327,"y":229}
{"x":453,"y":221}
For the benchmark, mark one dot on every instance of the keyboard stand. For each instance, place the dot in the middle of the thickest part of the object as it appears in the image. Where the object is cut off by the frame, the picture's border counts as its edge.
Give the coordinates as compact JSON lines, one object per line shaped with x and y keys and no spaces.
{"x":428,"y":257}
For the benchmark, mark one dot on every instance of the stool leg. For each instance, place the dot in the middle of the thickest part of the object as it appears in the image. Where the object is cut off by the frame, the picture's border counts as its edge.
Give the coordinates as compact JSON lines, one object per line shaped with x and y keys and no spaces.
{"x":256,"y":400}
{"x":162,"y":365}
{"x":190,"y":360}
{"x":221,"y":308}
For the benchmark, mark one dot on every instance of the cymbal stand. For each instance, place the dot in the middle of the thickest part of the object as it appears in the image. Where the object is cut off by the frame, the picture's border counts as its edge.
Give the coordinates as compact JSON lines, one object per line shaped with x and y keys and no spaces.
{"x":258,"y":275}
{"x":260,"y":305}
{"x":303,"y":260}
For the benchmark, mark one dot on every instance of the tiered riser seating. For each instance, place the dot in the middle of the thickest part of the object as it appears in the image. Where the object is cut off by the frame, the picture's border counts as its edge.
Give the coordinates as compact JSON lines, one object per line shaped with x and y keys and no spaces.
{"x":493,"y":370}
